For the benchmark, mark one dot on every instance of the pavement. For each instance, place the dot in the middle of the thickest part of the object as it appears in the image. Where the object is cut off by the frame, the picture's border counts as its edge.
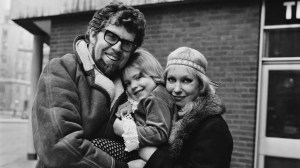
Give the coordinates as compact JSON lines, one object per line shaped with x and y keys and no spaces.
{"x":14,"y":142}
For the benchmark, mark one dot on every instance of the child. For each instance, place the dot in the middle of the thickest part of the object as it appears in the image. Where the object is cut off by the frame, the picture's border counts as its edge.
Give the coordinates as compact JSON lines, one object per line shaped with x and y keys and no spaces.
{"x":145,"y":119}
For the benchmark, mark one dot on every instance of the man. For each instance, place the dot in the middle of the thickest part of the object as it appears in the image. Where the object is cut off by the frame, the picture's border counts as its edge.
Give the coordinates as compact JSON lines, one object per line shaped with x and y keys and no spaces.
{"x":76,"y":92}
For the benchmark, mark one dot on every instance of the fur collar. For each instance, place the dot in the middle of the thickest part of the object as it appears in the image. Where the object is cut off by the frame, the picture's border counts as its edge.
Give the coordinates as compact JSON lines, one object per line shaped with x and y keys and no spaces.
{"x":200,"y":109}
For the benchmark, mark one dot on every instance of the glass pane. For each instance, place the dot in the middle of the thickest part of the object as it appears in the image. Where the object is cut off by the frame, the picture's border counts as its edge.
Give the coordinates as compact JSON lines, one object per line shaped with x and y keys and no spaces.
{"x":277,"y":162}
{"x":283,"y":43}
{"x":283,"y":108}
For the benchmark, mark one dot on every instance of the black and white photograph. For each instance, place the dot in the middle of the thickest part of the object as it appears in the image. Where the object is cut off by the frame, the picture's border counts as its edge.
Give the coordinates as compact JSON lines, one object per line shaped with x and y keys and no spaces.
{"x":149,"y":84}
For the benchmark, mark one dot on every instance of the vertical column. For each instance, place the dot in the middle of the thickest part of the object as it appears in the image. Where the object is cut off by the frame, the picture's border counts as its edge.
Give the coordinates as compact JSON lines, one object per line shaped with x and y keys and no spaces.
{"x":36,"y":69}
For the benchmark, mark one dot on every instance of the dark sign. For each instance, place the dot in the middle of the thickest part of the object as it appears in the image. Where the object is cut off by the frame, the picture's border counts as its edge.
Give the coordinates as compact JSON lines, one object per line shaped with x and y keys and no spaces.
{"x":279,"y":12}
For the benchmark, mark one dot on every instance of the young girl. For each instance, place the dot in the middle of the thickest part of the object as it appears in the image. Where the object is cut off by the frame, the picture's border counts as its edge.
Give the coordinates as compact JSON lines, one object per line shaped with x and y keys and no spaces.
{"x":145,"y":119}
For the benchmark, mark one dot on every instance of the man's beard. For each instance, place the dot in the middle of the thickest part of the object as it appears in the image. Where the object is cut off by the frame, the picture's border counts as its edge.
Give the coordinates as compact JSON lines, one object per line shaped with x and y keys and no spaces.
{"x":107,"y":70}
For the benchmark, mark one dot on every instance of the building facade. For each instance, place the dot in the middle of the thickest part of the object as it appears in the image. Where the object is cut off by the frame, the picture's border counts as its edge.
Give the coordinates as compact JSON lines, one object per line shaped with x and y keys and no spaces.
{"x":252,"y":52}
{"x":15,"y":58}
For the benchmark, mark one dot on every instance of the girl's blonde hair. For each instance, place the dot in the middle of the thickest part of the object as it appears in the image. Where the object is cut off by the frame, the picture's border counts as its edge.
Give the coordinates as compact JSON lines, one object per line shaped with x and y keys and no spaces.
{"x":147,"y":64}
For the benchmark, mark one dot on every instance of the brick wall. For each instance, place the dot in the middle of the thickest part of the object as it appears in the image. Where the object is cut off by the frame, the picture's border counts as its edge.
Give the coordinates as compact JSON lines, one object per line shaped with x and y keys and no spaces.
{"x":227,"y":33}
{"x":63,"y":32}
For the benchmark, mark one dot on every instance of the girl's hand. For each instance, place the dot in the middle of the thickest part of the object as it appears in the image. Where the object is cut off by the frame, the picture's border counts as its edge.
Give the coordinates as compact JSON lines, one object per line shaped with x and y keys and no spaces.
{"x":118,"y":127}
{"x":139,"y":163}
{"x":146,"y":152}
{"x":124,"y":109}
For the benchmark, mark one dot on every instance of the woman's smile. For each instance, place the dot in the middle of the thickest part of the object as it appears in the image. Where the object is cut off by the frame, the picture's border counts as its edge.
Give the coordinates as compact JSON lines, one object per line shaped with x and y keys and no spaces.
{"x":178,"y":98}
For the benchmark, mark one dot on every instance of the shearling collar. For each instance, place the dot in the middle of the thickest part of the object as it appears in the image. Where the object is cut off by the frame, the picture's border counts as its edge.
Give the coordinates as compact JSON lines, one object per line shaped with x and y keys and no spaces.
{"x":113,"y":88}
{"x":202,"y":108}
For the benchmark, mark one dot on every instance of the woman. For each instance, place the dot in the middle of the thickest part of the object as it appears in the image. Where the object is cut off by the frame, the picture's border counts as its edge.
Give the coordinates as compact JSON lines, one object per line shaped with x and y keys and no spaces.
{"x":200,"y":136}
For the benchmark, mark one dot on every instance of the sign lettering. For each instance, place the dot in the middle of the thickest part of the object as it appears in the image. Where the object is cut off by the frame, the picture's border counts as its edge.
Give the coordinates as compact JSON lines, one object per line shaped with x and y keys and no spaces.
{"x":289,"y":10}
{"x":282,"y":12}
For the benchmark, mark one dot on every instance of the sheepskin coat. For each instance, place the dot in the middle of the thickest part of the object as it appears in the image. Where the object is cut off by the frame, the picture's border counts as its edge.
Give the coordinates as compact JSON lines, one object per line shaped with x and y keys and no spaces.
{"x":69,"y":110}
{"x":200,"y":139}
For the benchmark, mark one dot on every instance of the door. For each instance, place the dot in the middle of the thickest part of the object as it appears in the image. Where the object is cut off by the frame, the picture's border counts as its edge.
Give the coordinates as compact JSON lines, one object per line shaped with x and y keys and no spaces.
{"x":279,"y":135}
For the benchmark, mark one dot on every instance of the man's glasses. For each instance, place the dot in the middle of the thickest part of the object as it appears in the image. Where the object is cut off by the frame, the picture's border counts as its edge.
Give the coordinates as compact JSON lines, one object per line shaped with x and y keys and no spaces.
{"x":112,"y":39}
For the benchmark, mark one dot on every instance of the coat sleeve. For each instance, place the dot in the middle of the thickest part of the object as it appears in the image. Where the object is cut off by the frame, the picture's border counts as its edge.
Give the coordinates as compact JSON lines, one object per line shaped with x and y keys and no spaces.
{"x":57,"y":124}
{"x":158,"y":122}
{"x":210,"y":147}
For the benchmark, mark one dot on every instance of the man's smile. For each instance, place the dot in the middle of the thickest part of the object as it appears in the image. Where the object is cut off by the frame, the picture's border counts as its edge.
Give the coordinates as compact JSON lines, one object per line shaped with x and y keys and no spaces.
{"x":112,"y":57}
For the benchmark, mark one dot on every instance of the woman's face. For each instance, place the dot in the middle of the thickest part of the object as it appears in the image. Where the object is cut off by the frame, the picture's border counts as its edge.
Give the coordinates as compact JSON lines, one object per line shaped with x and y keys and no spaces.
{"x":182,"y":84}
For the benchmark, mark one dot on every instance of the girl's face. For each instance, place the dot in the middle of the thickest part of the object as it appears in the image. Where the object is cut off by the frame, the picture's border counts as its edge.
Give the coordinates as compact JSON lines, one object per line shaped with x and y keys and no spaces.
{"x":137,"y":84}
{"x":182,"y":84}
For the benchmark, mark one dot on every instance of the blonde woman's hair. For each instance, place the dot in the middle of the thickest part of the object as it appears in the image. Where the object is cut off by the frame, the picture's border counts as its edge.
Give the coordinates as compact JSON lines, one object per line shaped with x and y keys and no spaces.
{"x":147,"y":64}
{"x":196,"y":64}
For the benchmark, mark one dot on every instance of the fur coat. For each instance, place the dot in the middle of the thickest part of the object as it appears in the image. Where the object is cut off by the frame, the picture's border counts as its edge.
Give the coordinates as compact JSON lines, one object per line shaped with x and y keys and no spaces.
{"x":201,"y":138}
{"x":198,"y":110}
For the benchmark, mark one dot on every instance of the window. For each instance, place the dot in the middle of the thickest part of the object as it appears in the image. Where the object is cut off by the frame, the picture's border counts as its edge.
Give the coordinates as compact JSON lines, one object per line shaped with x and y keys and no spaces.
{"x":283,"y":104}
{"x":278,"y":162}
{"x":3,"y":73}
{"x":4,"y":39}
{"x":282,"y":43}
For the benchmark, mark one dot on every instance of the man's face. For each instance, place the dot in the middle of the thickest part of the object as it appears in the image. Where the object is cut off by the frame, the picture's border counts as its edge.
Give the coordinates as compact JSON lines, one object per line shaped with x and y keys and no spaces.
{"x":110,"y":58}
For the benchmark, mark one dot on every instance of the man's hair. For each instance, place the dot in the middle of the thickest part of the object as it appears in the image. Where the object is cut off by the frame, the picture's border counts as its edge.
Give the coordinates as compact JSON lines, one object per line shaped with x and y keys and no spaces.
{"x":118,"y":14}
{"x":147,"y":64}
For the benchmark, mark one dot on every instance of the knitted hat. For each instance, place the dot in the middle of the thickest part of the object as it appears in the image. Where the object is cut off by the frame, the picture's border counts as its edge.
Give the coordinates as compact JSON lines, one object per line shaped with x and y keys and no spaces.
{"x":191,"y":58}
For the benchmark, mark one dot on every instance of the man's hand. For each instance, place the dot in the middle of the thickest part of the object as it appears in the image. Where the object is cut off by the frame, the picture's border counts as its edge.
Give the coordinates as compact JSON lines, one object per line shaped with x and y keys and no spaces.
{"x":118,"y":127}
{"x":139,"y":163}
